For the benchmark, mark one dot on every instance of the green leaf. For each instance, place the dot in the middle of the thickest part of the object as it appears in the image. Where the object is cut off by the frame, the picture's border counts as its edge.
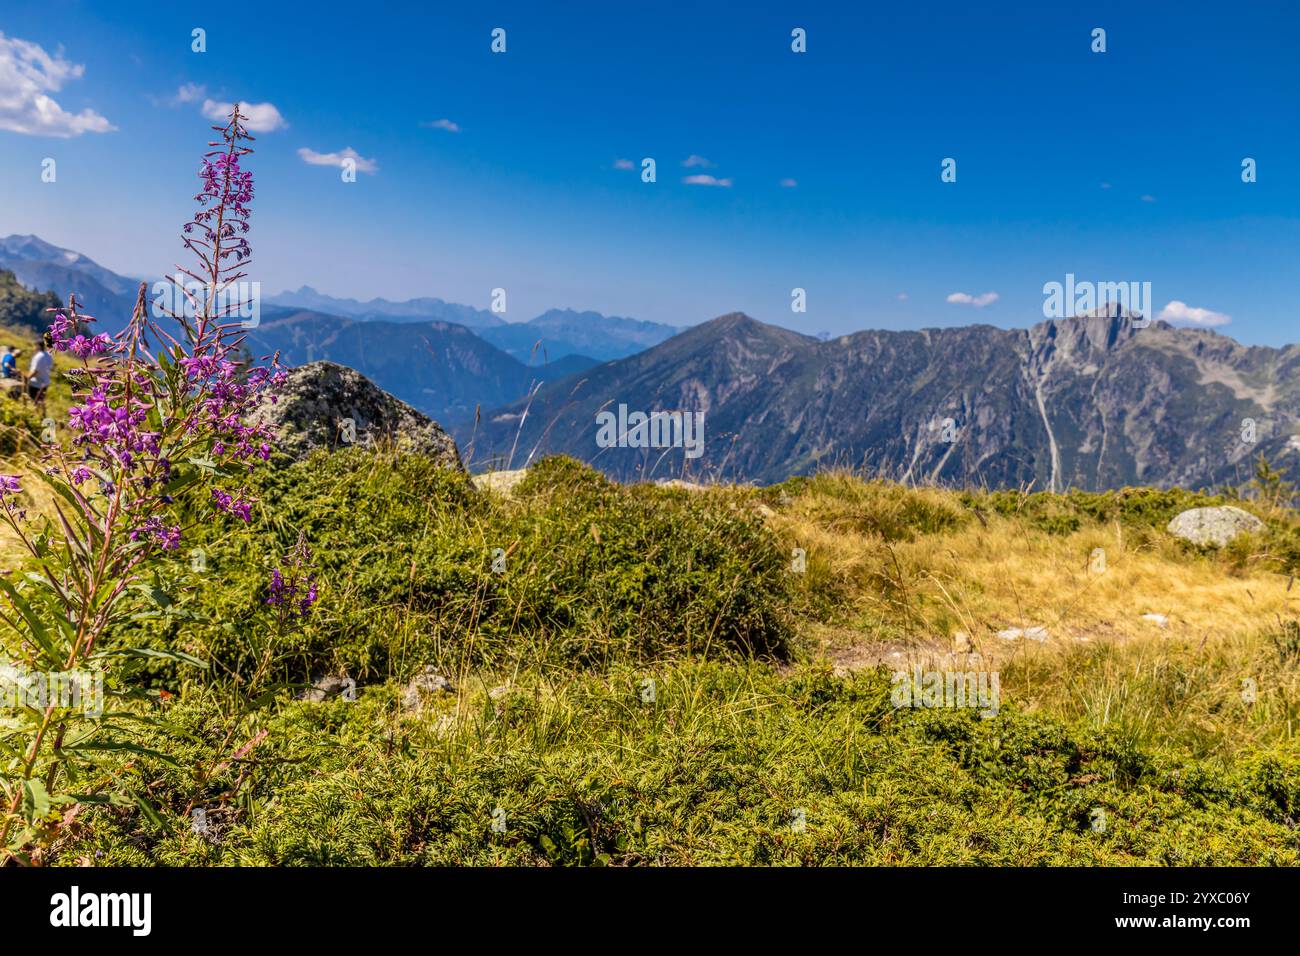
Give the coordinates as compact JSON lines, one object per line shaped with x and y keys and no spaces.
{"x":156,"y":595}
{"x":152,"y":652}
{"x":37,"y":801}
{"x":34,"y":624}
{"x":136,"y":749}
{"x":150,"y":813}
{"x":63,"y":490}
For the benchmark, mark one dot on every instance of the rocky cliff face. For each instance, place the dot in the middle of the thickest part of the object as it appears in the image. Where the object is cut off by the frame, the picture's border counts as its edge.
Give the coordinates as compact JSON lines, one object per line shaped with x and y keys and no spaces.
{"x":1093,"y":402}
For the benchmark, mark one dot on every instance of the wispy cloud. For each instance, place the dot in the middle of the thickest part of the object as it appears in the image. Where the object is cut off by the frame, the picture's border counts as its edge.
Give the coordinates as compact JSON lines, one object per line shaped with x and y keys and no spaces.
{"x":789,"y":183}
{"x":190,"y":93}
{"x":693,"y":161}
{"x":338,"y":159}
{"x":1177,"y":311}
{"x":978,"y":301}
{"x":446,"y":124}
{"x":258,"y":117}
{"x":624,"y":164}
{"x":1147,"y":197}
{"x":703,"y":179}
{"x":27,"y":76}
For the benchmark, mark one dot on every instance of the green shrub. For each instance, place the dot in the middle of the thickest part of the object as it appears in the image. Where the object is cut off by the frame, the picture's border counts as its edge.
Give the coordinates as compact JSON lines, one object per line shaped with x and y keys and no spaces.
{"x":405,"y":553}
{"x":718,"y":769}
{"x":19,"y":425}
{"x":1066,"y":513}
{"x":892,"y":511}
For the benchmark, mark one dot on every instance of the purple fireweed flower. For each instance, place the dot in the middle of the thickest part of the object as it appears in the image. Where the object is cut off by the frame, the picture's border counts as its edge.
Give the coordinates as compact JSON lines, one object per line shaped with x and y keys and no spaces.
{"x":277,"y":588}
{"x":308,"y":600}
{"x":285,"y":594}
{"x":9,"y":485}
{"x":167,"y":538}
{"x":231,"y":505}
{"x":59,"y":330}
{"x":84,"y":348}
{"x":294,"y":591}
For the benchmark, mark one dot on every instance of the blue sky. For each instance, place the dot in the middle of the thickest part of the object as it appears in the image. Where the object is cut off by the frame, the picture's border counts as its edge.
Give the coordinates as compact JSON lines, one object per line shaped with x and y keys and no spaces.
{"x":1118,"y":166}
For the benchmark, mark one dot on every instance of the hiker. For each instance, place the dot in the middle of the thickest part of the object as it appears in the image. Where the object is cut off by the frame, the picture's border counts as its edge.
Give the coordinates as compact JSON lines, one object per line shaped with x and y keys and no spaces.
{"x":38,"y":373}
{"x":11,"y":380}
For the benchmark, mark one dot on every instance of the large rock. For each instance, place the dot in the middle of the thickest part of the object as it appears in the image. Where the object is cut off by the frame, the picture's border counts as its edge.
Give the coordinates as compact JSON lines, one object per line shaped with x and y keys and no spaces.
{"x":1213,"y":526}
{"x":324,"y":405}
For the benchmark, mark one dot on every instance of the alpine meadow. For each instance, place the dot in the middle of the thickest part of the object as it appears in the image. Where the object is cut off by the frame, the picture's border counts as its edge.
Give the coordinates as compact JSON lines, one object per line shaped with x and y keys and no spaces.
{"x":698,"y":440}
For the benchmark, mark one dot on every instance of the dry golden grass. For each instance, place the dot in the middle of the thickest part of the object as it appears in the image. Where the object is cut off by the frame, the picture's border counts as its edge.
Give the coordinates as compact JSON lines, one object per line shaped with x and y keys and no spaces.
{"x":903,"y":577}
{"x":38,"y":499}
{"x":871,"y":547}
{"x":19,"y":416}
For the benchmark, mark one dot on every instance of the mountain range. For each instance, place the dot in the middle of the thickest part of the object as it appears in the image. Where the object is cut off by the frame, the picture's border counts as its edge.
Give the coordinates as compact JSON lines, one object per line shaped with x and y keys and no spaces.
{"x":551,"y":335}
{"x":445,"y":359}
{"x":43,"y":267}
{"x":555,"y":334}
{"x":414,"y":310}
{"x":1091,"y":402}
{"x":441,"y":368}
{"x":562,"y":332}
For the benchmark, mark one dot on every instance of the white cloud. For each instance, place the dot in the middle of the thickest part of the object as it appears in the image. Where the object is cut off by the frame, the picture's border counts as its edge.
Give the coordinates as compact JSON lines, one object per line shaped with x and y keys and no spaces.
{"x":692,"y":161}
{"x":190,"y":93}
{"x":979,"y":301}
{"x":1177,"y":311}
{"x":901,"y":297}
{"x":258,"y":117}
{"x":704,"y":179}
{"x":1147,"y":197}
{"x":337,"y":159}
{"x":624,"y":164}
{"x":27,"y":75}
{"x":789,"y":183}
{"x":446,"y":124}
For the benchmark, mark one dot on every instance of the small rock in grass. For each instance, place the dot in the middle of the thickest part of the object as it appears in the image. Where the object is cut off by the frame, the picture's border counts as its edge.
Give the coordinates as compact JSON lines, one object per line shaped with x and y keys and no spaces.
{"x":332,"y":685}
{"x":680,"y":483}
{"x":425,"y":684}
{"x":1035,"y":633}
{"x":501,"y":482}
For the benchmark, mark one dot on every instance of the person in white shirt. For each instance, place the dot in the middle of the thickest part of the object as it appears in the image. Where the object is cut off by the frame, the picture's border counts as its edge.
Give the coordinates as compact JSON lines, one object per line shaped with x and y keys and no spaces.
{"x":38,"y":375}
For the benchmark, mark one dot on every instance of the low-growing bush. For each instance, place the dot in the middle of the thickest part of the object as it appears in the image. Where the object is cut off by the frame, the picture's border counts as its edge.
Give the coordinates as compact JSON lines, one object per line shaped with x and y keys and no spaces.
{"x":417,"y":567}
{"x":728,"y":763}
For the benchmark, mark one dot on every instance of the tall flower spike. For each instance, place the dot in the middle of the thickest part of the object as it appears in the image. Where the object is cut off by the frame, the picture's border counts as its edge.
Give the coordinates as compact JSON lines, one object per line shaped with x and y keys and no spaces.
{"x":217,"y":234}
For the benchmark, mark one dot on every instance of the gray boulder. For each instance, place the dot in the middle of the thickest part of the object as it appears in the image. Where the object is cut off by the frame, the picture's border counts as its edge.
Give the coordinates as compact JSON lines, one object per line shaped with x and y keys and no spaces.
{"x":325,"y":405}
{"x":1213,"y":526}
